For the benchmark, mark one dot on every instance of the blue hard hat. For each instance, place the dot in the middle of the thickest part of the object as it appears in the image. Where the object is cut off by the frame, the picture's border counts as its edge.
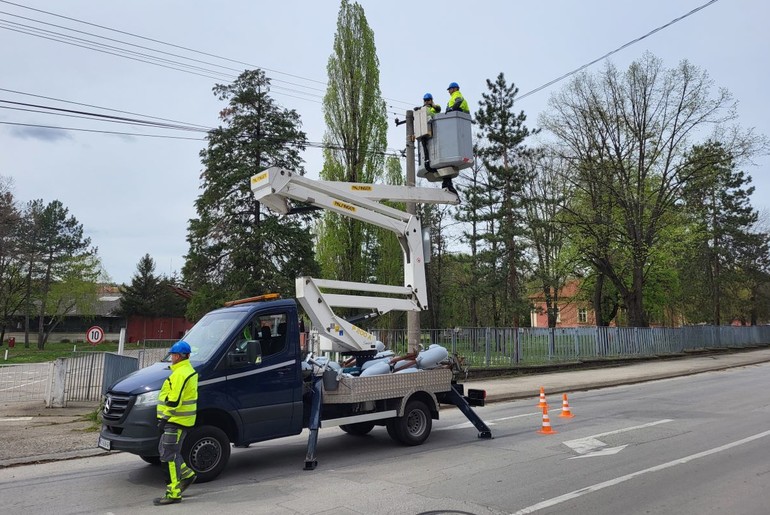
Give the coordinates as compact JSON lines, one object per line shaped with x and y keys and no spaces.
{"x":427,"y":96}
{"x":453,"y":85}
{"x":180,"y":347}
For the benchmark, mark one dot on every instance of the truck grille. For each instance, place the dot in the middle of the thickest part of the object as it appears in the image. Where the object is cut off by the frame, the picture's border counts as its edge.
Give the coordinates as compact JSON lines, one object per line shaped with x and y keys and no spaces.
{"x":116,"y":406}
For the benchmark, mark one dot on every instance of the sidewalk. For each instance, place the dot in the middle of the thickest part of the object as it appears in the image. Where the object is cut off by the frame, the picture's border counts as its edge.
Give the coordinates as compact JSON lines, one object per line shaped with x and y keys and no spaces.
{"x":32,"y":433}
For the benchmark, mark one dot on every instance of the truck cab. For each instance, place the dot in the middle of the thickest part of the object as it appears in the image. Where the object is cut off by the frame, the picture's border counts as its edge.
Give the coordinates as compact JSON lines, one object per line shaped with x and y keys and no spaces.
{"x":249,"y":389}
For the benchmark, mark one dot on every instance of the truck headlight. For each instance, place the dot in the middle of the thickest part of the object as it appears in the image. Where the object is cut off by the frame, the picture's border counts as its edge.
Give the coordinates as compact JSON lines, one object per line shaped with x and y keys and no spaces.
{"x":147,"y":399}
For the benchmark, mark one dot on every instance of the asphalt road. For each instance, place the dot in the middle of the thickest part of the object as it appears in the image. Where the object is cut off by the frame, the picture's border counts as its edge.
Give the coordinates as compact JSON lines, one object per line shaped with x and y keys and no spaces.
{"x":696,"y":444}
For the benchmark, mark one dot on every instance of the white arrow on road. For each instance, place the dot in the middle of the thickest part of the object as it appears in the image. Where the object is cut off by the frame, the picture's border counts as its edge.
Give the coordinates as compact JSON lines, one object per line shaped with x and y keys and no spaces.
{"x":591,"y":446}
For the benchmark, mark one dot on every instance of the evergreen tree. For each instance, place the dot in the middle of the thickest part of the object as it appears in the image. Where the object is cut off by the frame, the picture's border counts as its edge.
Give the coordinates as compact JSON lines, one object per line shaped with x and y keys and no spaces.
{"x":238,"y":248}
{"x":503,"y":132}
{"x":355,"y":141}
{"x":717,"y":197}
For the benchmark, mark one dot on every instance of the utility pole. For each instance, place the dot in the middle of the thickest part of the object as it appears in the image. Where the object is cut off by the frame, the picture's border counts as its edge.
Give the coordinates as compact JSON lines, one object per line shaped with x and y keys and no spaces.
{"x":412,"y":317}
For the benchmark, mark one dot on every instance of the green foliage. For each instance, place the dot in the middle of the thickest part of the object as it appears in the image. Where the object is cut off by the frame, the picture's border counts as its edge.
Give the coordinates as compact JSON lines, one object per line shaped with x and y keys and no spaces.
{"x":55,"y":252}
{"x":237,"y":248}
{"x":149,"y":295}
{"x":502,"y":151}
{"x":355,"y":140}
{"x":626,"y":134}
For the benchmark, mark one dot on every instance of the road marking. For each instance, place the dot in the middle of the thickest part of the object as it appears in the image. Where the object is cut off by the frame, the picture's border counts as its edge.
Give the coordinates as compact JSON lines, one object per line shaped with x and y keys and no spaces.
{"x":591,"y":446}
{"x":15,"y":419}
{"x":612,"y":482}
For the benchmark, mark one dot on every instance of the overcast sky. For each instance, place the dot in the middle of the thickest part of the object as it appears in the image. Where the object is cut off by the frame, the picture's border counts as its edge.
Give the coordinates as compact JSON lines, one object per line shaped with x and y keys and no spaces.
{"x":135,"y":194}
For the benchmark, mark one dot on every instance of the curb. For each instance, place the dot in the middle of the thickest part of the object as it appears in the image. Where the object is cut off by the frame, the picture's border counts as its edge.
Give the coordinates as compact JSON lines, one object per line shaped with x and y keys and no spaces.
{"x":46,"y":458}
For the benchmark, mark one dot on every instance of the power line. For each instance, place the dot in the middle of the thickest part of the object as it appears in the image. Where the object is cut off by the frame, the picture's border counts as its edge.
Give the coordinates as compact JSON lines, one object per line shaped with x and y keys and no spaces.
{"x":102,"y":108}
{"x":576,"y":70}
{"x":188,"y":49}
{"x":78,"y":129}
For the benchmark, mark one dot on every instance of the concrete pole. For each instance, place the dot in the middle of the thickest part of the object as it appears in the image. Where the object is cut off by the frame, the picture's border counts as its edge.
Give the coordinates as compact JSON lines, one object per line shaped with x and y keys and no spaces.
{"x":412,"y":317}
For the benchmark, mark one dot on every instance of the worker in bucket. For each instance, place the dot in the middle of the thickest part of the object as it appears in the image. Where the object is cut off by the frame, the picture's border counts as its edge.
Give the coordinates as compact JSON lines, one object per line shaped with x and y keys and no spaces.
{"x":177,"y":404}
{"x":456,"y":100}
{"x":456,"y":103}
{"x":427,"y":103}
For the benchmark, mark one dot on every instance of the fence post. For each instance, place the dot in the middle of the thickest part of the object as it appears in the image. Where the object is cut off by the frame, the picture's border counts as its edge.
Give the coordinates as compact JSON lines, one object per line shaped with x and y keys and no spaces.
{"x":487,"y":356}
{"x":551,"y":343}
{"x":56,"y":397}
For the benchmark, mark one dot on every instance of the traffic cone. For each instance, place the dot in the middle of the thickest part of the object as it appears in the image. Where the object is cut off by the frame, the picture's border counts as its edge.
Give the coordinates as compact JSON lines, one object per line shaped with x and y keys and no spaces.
{"x":546,"y":428}
{"x":565,"y":412}
{"x":542,"y":404}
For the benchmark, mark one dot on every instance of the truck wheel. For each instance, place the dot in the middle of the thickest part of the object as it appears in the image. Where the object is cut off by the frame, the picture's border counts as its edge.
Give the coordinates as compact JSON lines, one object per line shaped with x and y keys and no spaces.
{"x":414,"y":427}
{"x":390,"y":425}
{"x":152,"y":460}
{"x":358,"y":429}
{"x":206,"y":450}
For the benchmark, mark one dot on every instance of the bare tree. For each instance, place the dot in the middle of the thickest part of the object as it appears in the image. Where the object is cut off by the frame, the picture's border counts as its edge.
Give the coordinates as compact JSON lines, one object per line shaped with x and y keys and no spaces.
{"x":627,"y":135}
{"x":543,"y":197}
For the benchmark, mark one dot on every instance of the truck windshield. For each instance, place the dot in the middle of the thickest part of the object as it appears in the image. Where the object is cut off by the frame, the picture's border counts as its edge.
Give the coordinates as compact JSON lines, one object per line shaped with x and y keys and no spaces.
{"x":207,"y":335}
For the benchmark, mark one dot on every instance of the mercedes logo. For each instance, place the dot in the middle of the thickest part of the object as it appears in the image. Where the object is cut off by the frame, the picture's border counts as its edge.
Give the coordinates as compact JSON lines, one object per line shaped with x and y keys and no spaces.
{"x":107,"y":401}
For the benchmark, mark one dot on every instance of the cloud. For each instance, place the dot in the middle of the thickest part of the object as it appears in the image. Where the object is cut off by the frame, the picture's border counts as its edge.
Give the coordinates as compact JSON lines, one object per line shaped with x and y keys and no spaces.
{"x":39,"y":133}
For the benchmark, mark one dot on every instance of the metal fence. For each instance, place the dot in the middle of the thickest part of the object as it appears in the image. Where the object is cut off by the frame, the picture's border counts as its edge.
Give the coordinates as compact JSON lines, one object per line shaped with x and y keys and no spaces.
{"x":25,"y":382}
{"x":87,"y":373}
{"x":502,"y":347}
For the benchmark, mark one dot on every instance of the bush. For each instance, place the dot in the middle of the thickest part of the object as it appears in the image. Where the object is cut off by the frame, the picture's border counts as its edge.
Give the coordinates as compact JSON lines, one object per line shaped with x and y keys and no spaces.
{"x":65,"y":340}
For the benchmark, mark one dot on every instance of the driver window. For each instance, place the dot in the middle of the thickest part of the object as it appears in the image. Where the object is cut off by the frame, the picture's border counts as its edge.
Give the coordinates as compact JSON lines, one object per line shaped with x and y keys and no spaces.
{"x":272,"y":333}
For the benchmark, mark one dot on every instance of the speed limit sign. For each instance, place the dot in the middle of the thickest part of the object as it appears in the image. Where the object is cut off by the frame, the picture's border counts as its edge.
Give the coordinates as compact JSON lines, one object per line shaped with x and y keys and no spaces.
{"x":95,"y":335}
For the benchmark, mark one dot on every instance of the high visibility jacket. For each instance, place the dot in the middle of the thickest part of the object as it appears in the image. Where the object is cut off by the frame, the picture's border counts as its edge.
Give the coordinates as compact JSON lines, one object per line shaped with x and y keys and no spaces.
{"x":178,"y":398}
{"x":433,"y":109}
{"x":457,"y":103}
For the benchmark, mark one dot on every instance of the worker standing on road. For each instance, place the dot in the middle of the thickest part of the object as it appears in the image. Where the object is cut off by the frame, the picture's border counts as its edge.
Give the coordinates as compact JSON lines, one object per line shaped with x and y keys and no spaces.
{"x":177,"y":405}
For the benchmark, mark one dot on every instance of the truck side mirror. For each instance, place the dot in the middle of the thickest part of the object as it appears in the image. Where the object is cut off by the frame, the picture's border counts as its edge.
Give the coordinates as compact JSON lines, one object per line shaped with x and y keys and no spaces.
{"x":253,"y":350}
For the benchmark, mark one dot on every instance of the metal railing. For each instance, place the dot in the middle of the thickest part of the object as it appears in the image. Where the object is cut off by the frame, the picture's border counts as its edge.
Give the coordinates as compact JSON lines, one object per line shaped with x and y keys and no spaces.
{"x":500,"y":347}
{"x":87,"y":373}
{"x":25,"y":382}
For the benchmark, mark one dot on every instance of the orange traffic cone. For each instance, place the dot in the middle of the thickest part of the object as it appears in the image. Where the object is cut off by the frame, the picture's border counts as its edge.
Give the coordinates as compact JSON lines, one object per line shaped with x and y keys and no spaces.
{"x":546,"y":429}
{"x":542,"y":404}
{"x":565,"y":412}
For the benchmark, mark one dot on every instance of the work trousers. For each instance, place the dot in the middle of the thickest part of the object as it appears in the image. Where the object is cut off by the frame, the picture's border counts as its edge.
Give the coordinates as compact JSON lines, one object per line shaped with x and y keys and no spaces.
{"x":170,"y":450}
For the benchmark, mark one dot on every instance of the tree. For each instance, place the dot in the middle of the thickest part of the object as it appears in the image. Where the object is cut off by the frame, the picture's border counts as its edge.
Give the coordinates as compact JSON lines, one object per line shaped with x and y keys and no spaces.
{"x":542,"y":199}
{"x":627,"y":135}
{"x":503,"y":132}
{"x":355,"y":141}
{"x":11,"y":266}
{"x":717,"y":197}
{"x":236,"y":247}
{"x":150,"y":295}
{"x":54,"y":250}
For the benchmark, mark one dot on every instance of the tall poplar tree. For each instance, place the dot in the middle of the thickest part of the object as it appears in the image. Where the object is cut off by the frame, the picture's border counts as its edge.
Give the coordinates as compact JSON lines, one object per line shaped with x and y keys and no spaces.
{"x":237,"y":247}
{"x":355,"y":139}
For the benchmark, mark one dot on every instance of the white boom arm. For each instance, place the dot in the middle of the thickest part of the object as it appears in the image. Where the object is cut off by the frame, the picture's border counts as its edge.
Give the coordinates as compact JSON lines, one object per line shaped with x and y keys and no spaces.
{"x":276,"y":188}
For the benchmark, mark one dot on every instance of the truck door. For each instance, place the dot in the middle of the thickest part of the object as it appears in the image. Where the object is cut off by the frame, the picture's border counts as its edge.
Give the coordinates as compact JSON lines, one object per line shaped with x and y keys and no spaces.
{"x":268,"y":393}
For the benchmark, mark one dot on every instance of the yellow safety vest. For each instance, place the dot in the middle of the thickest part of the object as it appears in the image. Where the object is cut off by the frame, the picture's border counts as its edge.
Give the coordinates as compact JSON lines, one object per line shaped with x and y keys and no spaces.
{"x":463,"y":106}
{"x":178,"y":398}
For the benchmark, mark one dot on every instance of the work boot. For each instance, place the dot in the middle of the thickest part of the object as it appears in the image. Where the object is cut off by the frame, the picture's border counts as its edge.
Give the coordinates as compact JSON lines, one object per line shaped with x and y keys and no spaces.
{"x":447,"y":185}
{"x":162,"y":501}
{"x":186,"y":482}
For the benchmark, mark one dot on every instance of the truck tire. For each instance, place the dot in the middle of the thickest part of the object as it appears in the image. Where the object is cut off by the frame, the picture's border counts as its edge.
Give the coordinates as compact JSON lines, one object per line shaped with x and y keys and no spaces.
{"x":358,"y":429}
{"x":390,"y":425}
{"x":414,"y":427}
{"x":206,"y":450}
{"x":152,"y":460}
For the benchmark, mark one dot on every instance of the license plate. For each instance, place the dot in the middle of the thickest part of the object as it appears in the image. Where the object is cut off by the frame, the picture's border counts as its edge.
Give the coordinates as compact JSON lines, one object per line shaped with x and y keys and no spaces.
{"x":105,"y":444}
